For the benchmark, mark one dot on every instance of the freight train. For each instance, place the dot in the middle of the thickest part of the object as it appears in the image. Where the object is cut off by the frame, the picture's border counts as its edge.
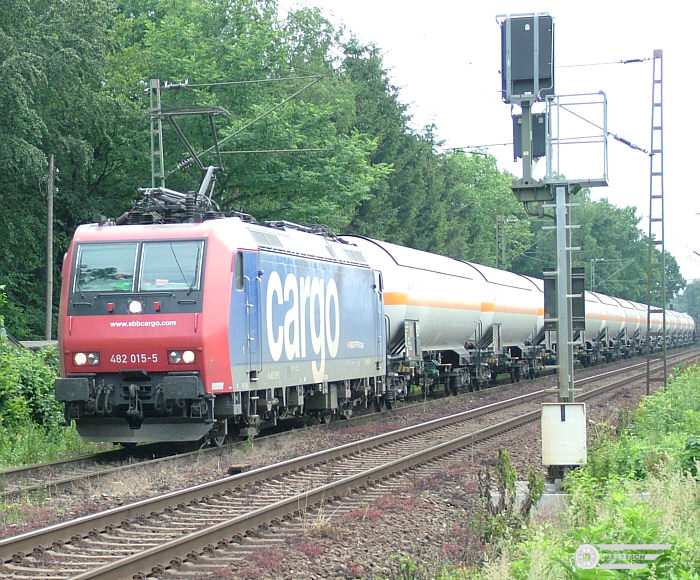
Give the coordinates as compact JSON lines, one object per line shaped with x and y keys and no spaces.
{"x":206,"y":327}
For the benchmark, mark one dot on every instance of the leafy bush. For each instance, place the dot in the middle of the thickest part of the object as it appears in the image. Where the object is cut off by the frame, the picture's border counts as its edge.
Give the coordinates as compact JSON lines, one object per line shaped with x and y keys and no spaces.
{"x":691,"y":455}
{"x":26,"y":386}
{"x":675,"y":409}
{"x":662,"y":428}
{"x":29,"y":413}
{"x":504,"y":519}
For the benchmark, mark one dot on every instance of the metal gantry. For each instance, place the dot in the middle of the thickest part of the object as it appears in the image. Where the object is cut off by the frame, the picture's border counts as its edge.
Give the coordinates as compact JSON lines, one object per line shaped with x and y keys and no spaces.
{"x":656,"y":273}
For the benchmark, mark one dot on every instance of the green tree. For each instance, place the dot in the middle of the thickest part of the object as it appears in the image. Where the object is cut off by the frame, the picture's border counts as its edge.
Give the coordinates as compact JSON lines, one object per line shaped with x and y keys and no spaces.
{"x":394,"y":203}
{"x":689,"y":301}
{"x":443,"y":203}
{"x":478,"y":196}
{"x":75,"y":79}
{"x":217,"y":41}
{"x":613,"y":250}
{"x":51,"y":61}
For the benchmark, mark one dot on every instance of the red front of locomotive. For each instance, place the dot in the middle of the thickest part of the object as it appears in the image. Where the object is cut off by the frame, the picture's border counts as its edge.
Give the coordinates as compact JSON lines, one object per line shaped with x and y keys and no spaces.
{"x":143,"y":331}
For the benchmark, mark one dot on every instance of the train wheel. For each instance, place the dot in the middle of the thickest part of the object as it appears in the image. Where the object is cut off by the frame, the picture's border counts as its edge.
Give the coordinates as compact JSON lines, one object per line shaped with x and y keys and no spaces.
{"x":217,"y":436}
{"x":345,"y":410}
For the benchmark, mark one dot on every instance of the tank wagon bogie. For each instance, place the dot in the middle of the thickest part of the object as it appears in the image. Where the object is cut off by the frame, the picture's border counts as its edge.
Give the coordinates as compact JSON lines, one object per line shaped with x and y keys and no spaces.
{"x":178,"y":332}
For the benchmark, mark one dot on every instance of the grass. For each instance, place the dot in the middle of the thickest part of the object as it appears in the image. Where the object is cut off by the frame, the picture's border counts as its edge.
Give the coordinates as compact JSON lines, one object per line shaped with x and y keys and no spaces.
{"x":28,"y":443}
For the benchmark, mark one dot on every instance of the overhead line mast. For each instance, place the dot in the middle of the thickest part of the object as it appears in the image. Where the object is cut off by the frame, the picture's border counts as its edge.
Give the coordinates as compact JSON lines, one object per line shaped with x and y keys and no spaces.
{"x":656,"y":288}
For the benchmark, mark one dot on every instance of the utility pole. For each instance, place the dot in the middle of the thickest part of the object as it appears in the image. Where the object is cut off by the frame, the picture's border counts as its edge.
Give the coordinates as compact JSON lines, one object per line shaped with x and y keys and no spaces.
{"x":593,"y":263}
{"x":49,"y":250}
{"x":656,"y":287}
{"x":501,"y":222}
{"x":157,"y":154}
{"x":500,"y":241}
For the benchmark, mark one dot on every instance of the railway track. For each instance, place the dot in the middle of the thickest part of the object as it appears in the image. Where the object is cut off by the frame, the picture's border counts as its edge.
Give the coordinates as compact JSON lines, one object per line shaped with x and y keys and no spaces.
{"x":58,"y":476}
{"x":163,"y":531}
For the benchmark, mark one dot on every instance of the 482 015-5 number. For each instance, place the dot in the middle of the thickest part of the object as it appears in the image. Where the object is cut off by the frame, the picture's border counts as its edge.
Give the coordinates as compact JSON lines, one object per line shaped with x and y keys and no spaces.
{"x":135,"y":358}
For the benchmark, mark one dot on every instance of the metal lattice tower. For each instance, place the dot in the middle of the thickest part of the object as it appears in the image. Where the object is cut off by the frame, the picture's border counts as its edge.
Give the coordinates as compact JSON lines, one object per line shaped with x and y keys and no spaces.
{"x":157,"y":157}
{"x":656,"y":273}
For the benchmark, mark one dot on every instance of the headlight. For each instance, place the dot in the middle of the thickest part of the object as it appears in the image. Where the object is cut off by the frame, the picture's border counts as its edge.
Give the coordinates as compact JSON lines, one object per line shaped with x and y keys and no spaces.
{"x":86,"y":358}
{"x":177,"y":357}
{"x":135,"y":307}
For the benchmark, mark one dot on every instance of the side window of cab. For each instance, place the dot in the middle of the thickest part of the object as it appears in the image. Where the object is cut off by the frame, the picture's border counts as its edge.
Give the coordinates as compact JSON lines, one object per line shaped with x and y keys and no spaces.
{"x":238,"y":270}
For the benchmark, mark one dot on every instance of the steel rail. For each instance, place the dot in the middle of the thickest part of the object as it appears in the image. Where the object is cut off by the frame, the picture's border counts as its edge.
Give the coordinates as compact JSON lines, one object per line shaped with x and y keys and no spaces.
{"x":14,"y":475}
{"x":207,"y":539}
{"x":90,"y":523}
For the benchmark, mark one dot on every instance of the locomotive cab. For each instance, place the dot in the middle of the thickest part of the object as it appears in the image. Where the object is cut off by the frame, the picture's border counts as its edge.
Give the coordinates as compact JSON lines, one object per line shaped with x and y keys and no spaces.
{"x":129,"y":349}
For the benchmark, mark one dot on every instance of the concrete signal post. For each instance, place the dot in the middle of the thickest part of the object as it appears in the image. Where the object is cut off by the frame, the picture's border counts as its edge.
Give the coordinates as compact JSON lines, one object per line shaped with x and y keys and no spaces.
{"x":527,"y":44}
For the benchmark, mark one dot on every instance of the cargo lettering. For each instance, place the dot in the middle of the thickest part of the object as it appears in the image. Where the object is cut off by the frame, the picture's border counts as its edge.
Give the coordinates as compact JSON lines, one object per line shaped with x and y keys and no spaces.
{"x":307,"y":302}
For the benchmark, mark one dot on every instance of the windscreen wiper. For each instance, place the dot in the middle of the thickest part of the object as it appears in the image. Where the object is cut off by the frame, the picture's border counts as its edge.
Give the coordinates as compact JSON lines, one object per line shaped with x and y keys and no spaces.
{"x":196,"y":271}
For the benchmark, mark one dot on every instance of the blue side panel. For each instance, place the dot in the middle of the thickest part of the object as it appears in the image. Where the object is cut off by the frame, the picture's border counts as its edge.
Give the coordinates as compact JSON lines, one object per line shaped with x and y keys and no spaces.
{"x":319,"y":321}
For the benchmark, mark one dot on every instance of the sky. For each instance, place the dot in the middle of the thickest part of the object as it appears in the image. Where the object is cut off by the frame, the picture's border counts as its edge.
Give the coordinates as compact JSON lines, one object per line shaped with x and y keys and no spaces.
{"x":445,"y":56}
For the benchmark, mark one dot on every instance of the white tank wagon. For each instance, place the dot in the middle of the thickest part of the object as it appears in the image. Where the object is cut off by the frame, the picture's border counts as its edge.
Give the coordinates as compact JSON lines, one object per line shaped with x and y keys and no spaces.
{"x":606,"y":323}
{"x":680,"y":327}
{"x":463,"y":324}
{"x":477,"y":319}
{"x":631,"y":330}
{"x":640,"y":339}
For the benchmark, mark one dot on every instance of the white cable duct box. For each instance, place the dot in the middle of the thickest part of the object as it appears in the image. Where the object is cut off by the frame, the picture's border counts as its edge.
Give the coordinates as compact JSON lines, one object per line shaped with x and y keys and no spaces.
{"x":563,"y":433}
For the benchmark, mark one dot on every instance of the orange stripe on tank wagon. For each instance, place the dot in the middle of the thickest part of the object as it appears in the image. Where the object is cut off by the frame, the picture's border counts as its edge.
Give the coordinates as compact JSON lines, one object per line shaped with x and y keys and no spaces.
{"x":395,"y":298}
{"x":503,"y":309}
{"x":403,"y":299}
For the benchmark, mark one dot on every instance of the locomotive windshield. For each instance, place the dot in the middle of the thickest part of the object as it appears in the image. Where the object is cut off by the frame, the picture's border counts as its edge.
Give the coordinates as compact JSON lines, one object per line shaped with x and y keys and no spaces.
{"x":106,"y":267}
{"x":171,"y":266}
{"x":139,"y":266}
